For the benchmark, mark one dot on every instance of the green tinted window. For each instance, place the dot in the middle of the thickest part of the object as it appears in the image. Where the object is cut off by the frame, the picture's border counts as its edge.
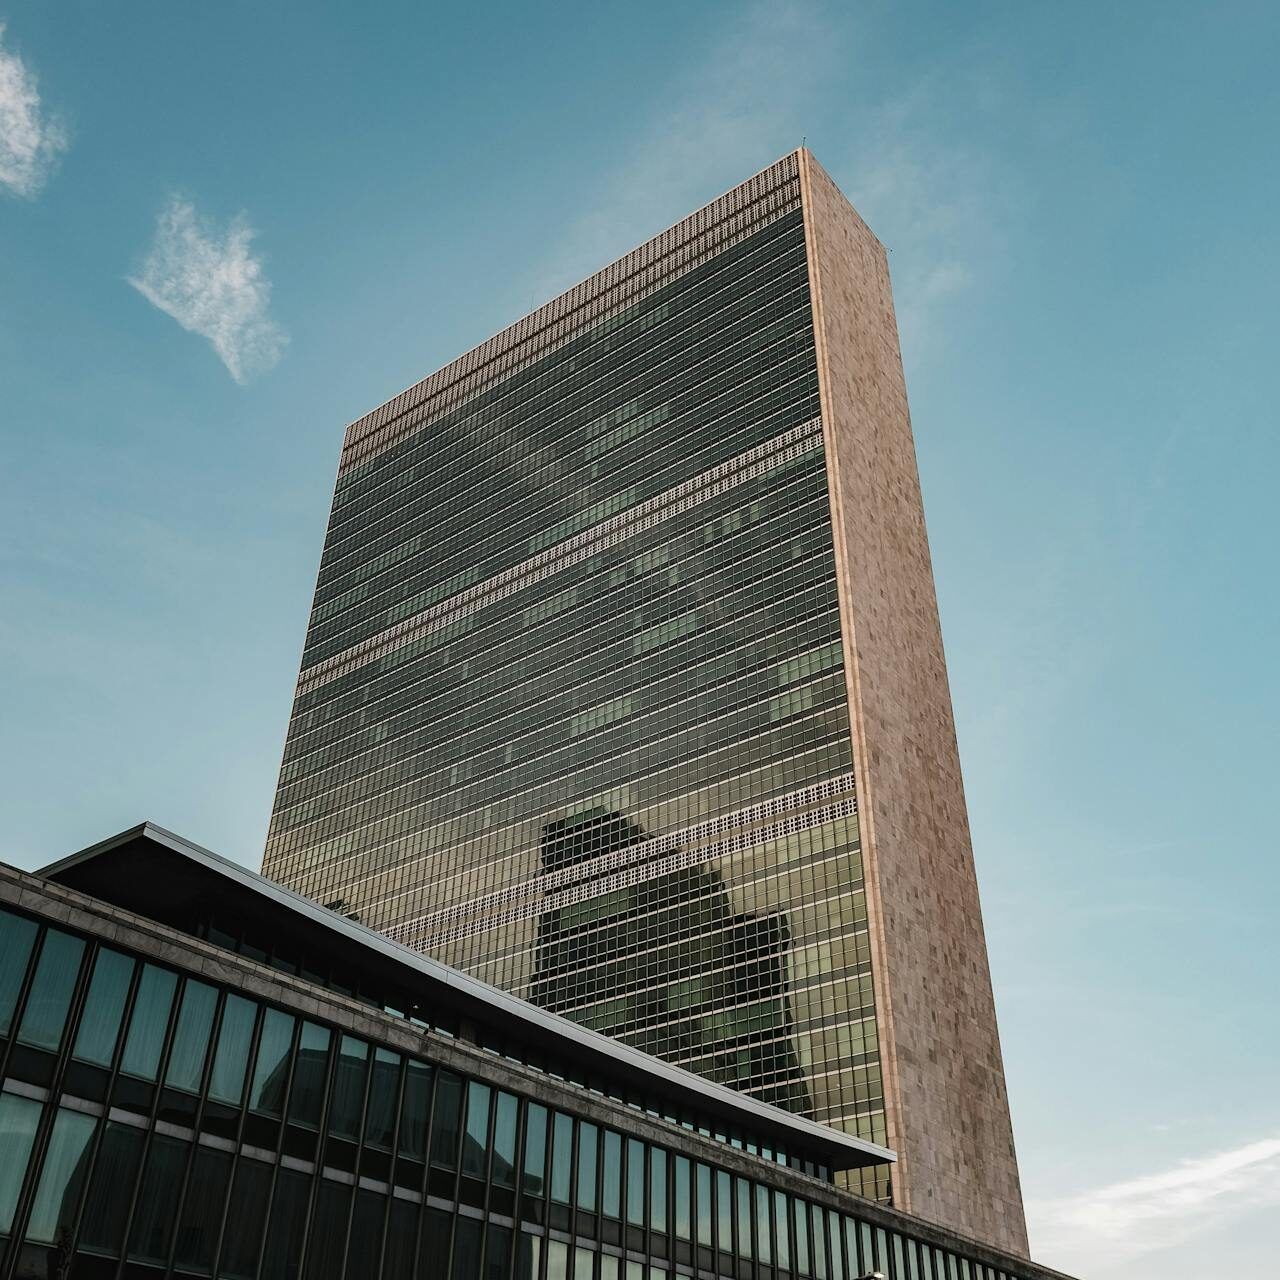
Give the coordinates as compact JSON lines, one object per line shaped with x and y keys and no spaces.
{"x":62,"y":1179}
{"x":45,"y":1016}
{"x":271,"y":1070}
{"x":191,"y":1037}
{"x":347,"y":1112}
{"x":230,"y":1062}
{"x":104,"y":1007}
{"x":17,"y":934}
{"x":18,"y":1120}
{"x":148,"y":1022}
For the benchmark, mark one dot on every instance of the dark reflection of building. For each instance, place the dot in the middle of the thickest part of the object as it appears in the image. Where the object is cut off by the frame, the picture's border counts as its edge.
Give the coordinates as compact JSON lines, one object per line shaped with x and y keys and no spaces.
{"x":666,"y":965}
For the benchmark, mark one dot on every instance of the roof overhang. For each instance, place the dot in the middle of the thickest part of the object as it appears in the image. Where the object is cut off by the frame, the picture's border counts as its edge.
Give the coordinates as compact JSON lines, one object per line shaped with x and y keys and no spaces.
{"x":159,"y":875}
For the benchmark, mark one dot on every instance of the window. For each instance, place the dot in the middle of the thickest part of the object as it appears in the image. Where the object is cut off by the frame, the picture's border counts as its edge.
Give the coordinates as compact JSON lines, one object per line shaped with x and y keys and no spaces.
{"x":202,"y":1210}
{"x":444,"y":1121}
{"x":704,"y":1205}
{"x":635,"y":1182}
{"x":104,"y":1008}
{"x":384,"y":1089}
{"x":114,"y":1170}
{"x":148,"y":1022}
{"x":158,"y":1199}
{"x":271,"y":1071}
{"x":288,"y":1219}
{"x":561,"y":1157}
{"x":535,"y":1150}
{"x":310,"y":1076}
{"x":226,"y":1081}
{"x":467,"y":1237}
{"x":17,"y":934}
{"x":504,"y":1140}
{"x":51,"y":988}
{"x":657,"y":1189}
{"x":348,"y":1088}
{"x":416,"y":1109}
{"x":475,"y":1146}
{"x":62,"y":1180}
{"x":611,"y":1180}
{"x":588,"y":1147}
{"x":248,"y":1210}
{"x":191,"y":1037}
{"x":329,"y":1231}
{"x":18,"y":1120}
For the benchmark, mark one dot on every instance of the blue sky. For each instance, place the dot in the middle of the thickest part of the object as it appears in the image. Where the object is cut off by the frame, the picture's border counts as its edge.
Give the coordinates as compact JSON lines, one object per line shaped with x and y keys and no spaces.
{"x":226,"y":230}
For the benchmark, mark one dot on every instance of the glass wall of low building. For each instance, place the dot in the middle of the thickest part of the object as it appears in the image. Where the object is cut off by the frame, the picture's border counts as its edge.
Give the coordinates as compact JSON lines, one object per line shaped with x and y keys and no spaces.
{"x":154,"y":1123}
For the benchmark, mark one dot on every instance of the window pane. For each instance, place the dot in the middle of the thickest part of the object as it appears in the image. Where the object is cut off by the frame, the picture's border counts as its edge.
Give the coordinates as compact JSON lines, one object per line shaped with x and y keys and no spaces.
{"x":535,"y":1149}
{"x":202,"y":1210}
{"x":414,"y":1112}
{"x":191,"y":1037}
{"x":62,"y":1180}
{"x":561,"y":1157}
{"x":746,"y":1248}
{"x":271,"y":1072}
{"x":148,"y":1022}
{"x":504,"y":1141}
{"x":288,"y":1221}
{"x":781,"y":1236}
{"x":584,"y":1264}
{"x":329,"y":1231}
{"x":402,"y":1237}
{"x":764,"y":1251}
{"x":657,"y":1189}
{"x":801,"y":1225}
{"x":114,"y":1170}
{"x":497,"y":1253}
{"x":365,"y":1246}
{"x":16,"y":936}
{"x":635,"y":1182}
{"x":104,"y":1007}
{"x":611,"y":1197}
{"x":347,"y":1112}
{"x":475,"y":1142}
{"x":682,"y":1208}
{"x":248,"y":1210}
{"x":704,"y":1205}
{"x":310,"y":1075}
{"x":466,"y":1249}
{"x":444,"y":1120}
{"x":724,"y":1211}
{"x":18,"y":1120}
{"x":157,"y":1200}
{"x":226,"y":1081}
{"x":588,"y":1146}
{"x":527,"y":1266}
{"x":51,"y":988}
{"x":557,"y":1259}
{"x":384,"y":1089}
{"x":437,"y":1228}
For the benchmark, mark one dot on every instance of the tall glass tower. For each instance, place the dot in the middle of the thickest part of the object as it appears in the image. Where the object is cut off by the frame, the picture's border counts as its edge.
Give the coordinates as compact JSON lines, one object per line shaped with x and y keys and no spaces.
{"x":624,"y":690}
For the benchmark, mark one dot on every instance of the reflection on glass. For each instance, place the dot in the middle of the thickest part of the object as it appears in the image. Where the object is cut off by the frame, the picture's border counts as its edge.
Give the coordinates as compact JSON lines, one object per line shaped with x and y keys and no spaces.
{"x":611,"y":1175}
{"x":475,"y":1144}
{"x":148,"y":1022}
{"x":53,"y":1213}
{"x":445,"y":1120}
{"x":51,"y":988}
{"x":467,"y":1235}
{"x":721,"y":999}
{"x":104,"y":1008}
{"x":271,"y":1070}
{"x":415,"y":1111}
{"x":107,"y":1208}
{"x":505,"y":1114}
{"x":384,"y":1091}
{"x":329,"y":1236}
{"x":310,"y":1075}
{"x":17,"y":934}
{"x":561,"y":1157}
{"x":348,"y":1088}
{"x":588,"y":1145}
{"x":535,"y":1149}
{"x":18,"y":1120}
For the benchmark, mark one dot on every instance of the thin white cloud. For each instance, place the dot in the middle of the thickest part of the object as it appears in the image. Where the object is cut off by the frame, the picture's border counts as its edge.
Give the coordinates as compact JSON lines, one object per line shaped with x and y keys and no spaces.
{"x":30,"y":139}
{"x":736,"y":108}
{"x":1090,"y":1233}
{"x":211,"y":284}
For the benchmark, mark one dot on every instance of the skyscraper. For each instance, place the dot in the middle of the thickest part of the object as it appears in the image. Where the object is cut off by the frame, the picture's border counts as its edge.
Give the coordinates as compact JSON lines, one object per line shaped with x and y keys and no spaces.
{"x":624,"y":690}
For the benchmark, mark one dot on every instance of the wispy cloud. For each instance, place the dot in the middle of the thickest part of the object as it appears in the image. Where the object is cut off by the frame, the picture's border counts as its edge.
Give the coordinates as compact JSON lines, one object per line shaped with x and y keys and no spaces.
{"x":31,"y":140}
{"x":208,"y":280}
{"x":1091,"y":1232}
{"x":940,"y":206}
{"x":734,"y":108}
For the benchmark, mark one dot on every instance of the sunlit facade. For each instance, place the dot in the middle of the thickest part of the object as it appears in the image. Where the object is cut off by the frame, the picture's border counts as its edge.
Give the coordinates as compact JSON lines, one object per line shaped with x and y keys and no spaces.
{"x":576,"y":710}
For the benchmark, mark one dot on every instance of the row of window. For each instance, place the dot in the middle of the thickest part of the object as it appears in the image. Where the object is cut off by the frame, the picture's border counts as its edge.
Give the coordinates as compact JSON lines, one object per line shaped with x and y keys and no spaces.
{"x":304,"y":1143}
